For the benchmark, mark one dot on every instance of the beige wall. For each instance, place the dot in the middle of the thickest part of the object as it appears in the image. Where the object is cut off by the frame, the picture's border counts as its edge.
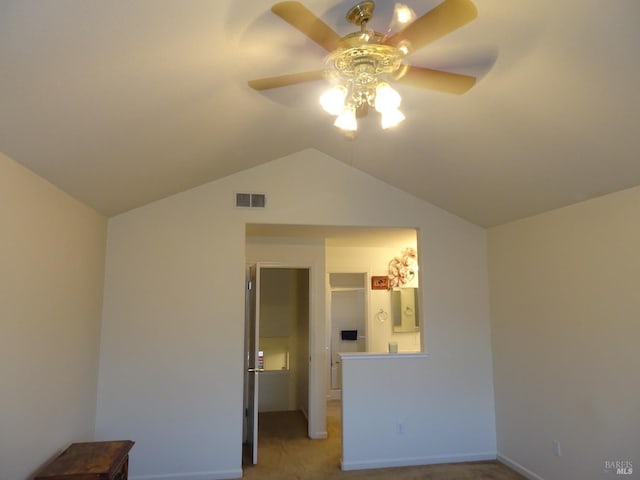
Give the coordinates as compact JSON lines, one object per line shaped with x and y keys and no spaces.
{"x":171,"y":365}
{"x":564,"y":301}
{"x":51,"y":277}
{"x":433,"y":407}
{"x":279,"y":337}
{"x":565,"y":304}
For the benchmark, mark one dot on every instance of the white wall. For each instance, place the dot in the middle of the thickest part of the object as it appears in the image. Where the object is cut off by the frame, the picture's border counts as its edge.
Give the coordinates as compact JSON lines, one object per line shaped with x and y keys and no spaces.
{"x":275,"y":391}
{"x":278,"y":339}
{"x":51,"y":277}
{"x":409,"y":409}
{"x":172,"y":342}
{"x":443,"y":400}
{"x":565,"y":322}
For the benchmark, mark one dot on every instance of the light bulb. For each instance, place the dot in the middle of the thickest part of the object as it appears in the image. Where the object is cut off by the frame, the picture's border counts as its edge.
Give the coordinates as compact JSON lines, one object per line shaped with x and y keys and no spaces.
{"x":332,"y":100}
{"x":391,"y":118}
{"x":386,"y":98}
{"x":347,"y":119}
{"x":404,"y":14}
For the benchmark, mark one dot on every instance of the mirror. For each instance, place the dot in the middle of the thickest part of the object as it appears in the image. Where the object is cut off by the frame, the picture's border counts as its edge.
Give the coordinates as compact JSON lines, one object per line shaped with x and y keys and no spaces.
{"x":404,"y":310}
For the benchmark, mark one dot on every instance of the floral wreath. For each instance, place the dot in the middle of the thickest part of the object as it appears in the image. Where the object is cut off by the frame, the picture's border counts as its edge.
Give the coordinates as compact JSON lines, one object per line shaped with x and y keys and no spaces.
{"x":402,"y":268}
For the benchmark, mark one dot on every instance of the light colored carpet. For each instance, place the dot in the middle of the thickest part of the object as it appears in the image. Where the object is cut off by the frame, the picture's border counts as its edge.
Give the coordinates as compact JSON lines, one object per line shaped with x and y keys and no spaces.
{"x":286,"y":453}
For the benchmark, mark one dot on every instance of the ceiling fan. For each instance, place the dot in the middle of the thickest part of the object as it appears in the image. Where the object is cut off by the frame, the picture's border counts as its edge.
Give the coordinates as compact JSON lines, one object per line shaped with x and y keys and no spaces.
{"x":361,"y":65}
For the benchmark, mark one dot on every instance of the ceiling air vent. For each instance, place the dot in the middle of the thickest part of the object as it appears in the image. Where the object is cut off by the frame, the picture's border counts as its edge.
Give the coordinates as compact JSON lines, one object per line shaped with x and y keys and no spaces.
{"x":251,"y":200}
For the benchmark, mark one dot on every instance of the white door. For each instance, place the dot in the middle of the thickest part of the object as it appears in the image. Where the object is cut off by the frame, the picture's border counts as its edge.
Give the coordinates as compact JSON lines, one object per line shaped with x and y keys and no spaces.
{"x":251,"y":361}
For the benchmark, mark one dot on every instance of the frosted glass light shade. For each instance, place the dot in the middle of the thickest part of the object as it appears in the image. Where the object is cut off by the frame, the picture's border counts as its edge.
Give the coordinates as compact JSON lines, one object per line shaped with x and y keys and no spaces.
{"x":347,"y":119}
{"x":387,"y":98}
{"x":391,"y":118}
{"x":332,"y":100}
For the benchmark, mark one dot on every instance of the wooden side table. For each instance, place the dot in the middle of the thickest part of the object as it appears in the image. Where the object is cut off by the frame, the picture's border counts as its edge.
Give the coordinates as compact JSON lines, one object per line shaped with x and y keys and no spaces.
{"x":90,"y":461}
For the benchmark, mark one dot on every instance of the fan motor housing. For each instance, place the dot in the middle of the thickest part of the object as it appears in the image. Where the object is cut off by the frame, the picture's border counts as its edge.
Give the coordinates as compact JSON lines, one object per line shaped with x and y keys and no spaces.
{"x":362,"y":58}
{"x":361,"y":13}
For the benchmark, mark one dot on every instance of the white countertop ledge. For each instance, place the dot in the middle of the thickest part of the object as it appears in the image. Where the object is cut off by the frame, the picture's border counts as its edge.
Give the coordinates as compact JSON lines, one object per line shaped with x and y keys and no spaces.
{"x":365,"y":355}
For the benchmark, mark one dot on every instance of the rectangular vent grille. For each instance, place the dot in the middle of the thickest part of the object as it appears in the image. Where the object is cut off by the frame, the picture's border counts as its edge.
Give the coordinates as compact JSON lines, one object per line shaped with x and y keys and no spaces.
{"x":251,"y":200}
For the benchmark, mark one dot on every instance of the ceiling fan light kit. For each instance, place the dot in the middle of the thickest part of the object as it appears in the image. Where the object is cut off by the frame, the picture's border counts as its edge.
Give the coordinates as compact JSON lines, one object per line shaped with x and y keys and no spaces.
{"x":362,"y":65}
{"x":360,"y":69}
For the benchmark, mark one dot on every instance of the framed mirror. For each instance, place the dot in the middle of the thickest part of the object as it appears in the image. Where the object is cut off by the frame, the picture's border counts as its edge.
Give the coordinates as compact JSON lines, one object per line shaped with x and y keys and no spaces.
{"x":404,"y":310}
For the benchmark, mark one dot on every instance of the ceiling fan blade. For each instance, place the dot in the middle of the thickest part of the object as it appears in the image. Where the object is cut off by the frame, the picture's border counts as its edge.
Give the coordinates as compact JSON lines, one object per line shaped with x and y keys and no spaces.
{"x":443,"y":19}
{"x":284,"y":80}
{"x":437,"y":80}
{"x":300,"y":17}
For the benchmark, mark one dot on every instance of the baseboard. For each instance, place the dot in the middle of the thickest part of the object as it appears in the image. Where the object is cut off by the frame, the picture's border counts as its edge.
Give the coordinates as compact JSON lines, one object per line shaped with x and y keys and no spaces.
{"x":215,"y":475}
{"x":318,"y":436}
{"x":334,"y":395}
{"x":525,"y":472}
{"x":414,"y":461}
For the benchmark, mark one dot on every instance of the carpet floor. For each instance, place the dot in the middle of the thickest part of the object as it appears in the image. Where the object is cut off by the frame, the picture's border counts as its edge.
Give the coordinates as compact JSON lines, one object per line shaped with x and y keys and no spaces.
{"x":286,"y":453}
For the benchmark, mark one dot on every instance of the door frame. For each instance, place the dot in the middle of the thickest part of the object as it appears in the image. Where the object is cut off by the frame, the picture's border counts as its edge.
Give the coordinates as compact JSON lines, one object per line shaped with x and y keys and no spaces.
{"x":312,"y":406}
{"x":250,"y":374}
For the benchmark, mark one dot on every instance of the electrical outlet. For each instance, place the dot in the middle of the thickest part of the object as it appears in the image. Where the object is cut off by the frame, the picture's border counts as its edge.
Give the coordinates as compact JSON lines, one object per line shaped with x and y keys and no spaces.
{"x":556,"y":448}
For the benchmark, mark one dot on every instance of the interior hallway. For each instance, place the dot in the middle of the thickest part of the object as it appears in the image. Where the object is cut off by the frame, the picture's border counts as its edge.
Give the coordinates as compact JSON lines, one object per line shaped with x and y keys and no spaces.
{"x":286,"y":453}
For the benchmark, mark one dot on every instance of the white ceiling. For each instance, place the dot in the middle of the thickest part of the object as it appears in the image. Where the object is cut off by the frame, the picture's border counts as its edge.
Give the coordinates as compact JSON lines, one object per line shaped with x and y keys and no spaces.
{"x":122,"y":102}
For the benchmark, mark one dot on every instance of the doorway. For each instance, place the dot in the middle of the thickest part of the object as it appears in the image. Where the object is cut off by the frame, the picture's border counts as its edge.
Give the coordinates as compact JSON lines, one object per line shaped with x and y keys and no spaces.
{"x":276,"y":347}
{"x":347,"y":295}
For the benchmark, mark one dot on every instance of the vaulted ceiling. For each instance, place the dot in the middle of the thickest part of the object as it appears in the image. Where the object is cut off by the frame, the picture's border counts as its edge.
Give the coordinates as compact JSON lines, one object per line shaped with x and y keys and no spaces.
{"x":120,"y":103}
